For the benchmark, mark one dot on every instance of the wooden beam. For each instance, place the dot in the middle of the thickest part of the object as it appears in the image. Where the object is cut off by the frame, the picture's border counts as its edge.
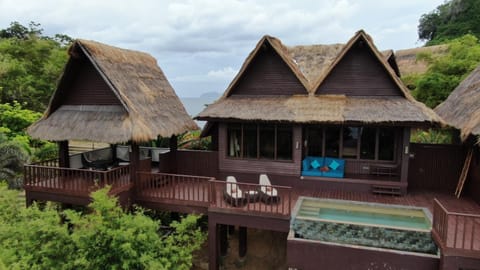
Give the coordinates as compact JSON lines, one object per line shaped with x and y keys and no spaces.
{"x":242,"y":242}
{"x":213,"y":233}
{"x":405,"y":154}
{"x":63,"y":157}
{"x":464,"y":174}
{"x":223,"y":240}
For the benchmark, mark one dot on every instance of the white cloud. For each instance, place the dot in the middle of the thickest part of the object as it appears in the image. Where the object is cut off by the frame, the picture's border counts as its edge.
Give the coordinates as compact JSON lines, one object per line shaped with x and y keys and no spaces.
{"x":207,"y":40}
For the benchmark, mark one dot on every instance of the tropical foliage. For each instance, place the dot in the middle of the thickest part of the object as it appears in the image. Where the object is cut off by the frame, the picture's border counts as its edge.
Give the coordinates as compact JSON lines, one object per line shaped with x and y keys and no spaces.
{"x":450,"y":20}
{"x":12,"y":158}
{"x":445,"y":72}
{"x":30,"y":64}
{"x":105,"y":237}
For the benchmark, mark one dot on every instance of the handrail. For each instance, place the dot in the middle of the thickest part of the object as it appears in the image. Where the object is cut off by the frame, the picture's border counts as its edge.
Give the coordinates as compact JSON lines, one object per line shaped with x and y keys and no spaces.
{"x":458,"y":231}
{"x":72,"y":180}
{"x":251,"y":199}
{"x":165,"y":186}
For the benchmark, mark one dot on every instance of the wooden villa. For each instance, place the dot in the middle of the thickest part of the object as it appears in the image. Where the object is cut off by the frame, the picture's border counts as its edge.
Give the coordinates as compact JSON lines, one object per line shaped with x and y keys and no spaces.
{"x":338,"y":101}
{"x":321,"y":121}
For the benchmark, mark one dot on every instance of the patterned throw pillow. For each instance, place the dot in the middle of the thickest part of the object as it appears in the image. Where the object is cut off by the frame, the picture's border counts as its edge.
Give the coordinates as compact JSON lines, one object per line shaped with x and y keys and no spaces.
{"x":315,"y":164}
{"x":334,"y":165}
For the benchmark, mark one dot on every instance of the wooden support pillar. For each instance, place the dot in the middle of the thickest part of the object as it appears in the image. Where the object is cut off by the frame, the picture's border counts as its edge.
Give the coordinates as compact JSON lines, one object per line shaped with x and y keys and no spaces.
{"x":213,"y":245}
{"x":405,"y":158}
{"x":173,"y":154}
{"x":63,"y":157}
{"x":242,"y":242}
{"x":134,"y":160}
{"x":223,"y":240}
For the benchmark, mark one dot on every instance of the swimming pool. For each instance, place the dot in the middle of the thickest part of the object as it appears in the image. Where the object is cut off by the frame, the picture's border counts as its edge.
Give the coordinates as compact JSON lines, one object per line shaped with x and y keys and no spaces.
{"x":364,"y":224}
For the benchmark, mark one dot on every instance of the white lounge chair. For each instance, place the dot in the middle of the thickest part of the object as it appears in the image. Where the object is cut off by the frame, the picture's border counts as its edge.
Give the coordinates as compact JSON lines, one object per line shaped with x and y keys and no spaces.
{"x":268,"y":193}
{"x":233,"y":194}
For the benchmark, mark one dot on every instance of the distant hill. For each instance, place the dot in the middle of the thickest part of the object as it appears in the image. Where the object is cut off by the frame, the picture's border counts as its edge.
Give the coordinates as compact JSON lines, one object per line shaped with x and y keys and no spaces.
{"x":194,"y":105}
{"x":407,"y":59}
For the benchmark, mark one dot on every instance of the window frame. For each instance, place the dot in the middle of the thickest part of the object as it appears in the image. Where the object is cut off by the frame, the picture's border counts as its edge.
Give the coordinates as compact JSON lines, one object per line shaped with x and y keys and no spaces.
{"x":359,"y":141}
{"x":258,"y":157}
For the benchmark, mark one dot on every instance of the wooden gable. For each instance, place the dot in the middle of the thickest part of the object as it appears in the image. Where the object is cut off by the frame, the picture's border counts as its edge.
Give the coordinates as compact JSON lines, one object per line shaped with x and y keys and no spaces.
{"x":359,"y":73}
{"x":82,"y":84}
{"x":268,"y":74}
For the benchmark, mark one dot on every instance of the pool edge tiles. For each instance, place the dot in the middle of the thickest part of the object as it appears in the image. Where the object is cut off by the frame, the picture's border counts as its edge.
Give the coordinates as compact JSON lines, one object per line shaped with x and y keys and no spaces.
{"x":311,"y":209}
{"x":403,"y":238}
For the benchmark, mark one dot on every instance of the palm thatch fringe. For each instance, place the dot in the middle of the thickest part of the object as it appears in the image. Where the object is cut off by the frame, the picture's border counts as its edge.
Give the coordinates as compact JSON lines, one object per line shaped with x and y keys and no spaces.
{"x":462,"y":107}
{"x":319,"y":109}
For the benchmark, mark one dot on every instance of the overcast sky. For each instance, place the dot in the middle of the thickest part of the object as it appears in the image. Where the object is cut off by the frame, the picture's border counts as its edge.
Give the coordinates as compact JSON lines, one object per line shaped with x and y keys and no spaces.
{"x":201,"y":44}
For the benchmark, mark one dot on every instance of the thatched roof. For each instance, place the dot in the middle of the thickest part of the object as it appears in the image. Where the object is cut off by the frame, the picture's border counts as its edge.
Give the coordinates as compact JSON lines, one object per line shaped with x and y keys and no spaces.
{"x":314,"y":63}
{"x":148,"y":106}
{"x":462,"y":107}
{"x":409,"y":64}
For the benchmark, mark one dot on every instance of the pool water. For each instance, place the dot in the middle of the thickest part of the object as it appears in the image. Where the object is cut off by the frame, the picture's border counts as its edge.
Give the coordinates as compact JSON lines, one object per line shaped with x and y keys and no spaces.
{"x":364,"y":224}
{"x":374,"y":218}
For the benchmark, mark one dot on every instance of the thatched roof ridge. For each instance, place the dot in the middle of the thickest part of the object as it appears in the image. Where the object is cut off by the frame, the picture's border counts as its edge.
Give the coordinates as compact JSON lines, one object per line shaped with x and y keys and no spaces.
{"x":149,"y":105}
{"x":281,"y":50}
{"x":316,"y":62}
{"x":462,"y":107}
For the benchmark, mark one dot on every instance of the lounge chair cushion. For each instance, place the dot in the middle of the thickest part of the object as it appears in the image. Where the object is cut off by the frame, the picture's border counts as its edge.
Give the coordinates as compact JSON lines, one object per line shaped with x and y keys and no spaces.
{"x":334,"y":165}
{"x":315,"y":164}
{"x":305,"y":164}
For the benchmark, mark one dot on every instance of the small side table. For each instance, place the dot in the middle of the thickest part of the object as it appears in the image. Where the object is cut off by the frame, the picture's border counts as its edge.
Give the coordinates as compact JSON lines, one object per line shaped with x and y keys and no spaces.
{"x":252,"y":196}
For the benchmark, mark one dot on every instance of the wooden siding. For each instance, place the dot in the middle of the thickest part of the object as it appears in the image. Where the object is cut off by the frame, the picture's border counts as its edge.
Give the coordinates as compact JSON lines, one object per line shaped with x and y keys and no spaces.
{"x":359,"y":73}
{"x":435,"y":167}
{"x":87,"y":87}
{"x":268,"y":74}
{"x":201,"y":163}
{"x":472,"y":186}
{"x":258,"y":166}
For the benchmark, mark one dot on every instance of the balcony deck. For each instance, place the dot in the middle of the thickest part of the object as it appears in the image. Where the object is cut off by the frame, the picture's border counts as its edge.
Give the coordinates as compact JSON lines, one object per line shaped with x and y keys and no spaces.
{"x":456,"y":224}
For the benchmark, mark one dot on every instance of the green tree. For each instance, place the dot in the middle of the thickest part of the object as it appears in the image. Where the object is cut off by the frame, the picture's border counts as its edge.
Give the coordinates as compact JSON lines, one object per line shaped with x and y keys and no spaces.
{"x":450,"y":20}
{"x":105,"y":237}
{"x":32,"y":238}
{"x":30,"y":64}
{"x":446,"y":72}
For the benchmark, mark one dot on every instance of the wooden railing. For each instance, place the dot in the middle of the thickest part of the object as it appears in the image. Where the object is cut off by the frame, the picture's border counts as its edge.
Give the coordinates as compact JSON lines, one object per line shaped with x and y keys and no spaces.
{"x":456,"y":231}
{"x":76,"y":181}
{"x":164,"y":186}
{"x":274,"y":200}
{"x":48,"y":163}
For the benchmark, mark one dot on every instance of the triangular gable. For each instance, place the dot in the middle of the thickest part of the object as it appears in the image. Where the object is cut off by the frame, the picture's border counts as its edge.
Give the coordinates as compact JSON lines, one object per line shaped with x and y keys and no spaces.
{"x":377,"y":80}
{"x":268,"y":49}
{"x":83,"y":83}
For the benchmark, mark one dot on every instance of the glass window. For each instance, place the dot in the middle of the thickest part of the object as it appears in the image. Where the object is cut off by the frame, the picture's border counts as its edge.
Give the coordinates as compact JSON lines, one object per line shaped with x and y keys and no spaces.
{"x":250,"y":141}
{"x":386,"y":143}
{"x":267,"y":141}
{"x":367,"y":142}
{"x":284,"y":142}
{"x":332,"y":138}
{"x":234,"y":137}
{"x":350,"y":142}
{"x":315,"y":141}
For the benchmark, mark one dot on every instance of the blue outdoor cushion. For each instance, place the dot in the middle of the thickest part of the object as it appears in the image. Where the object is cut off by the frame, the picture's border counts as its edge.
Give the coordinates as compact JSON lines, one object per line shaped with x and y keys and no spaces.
{"x":334,"y":165}
{"x":315,"y":164}
{"x":305,"y":165}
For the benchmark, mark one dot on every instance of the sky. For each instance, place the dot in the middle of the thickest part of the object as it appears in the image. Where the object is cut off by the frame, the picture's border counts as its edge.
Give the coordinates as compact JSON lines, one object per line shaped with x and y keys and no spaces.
{"x":201,"y":44}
